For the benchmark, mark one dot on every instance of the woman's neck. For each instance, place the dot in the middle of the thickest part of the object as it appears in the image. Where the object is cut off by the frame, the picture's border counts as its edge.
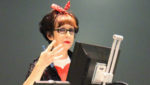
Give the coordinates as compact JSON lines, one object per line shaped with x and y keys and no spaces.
{"x":65,"y":55}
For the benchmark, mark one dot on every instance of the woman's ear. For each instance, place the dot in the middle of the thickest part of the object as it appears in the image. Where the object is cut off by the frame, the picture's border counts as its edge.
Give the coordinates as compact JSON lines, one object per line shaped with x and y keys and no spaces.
{"x":50,"y":37}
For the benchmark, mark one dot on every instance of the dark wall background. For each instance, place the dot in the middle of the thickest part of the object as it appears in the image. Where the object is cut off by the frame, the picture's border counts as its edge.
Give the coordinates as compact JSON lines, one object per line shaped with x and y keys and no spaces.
{"x":20,"y":40}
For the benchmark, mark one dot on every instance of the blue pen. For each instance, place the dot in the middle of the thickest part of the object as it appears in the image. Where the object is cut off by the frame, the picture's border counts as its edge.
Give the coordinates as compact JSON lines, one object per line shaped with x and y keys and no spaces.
{"x":43,"y":47}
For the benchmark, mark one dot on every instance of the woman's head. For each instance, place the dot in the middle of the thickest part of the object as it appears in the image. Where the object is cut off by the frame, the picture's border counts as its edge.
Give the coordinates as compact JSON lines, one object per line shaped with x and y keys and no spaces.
{"x":61,"y":27}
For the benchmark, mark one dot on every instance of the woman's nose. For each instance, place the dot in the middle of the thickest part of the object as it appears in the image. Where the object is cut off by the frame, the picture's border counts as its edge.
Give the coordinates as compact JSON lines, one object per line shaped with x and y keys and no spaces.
{"x":68,"y":33}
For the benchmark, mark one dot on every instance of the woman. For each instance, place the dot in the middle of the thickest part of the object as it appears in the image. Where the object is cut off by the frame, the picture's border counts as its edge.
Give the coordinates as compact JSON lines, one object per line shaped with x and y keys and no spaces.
{"x":59,"y":28}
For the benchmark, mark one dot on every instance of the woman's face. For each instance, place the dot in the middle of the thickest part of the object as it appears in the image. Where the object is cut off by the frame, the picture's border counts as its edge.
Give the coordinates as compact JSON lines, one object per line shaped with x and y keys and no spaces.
{"x":66,"y":39}
{"x":64,"y":33}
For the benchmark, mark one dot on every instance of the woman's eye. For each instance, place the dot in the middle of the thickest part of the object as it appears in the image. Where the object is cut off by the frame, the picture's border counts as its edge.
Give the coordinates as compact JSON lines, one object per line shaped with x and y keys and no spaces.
{"x":71,"y":30}
{"x":62,"y":29}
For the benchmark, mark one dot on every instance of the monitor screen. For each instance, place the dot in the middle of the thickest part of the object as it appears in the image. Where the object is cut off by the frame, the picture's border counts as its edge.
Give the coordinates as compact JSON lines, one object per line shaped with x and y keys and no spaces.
{"x":84,"y":59}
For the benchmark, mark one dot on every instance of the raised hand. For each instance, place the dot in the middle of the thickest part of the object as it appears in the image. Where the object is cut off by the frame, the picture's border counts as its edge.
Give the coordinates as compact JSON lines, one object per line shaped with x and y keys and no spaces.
{"x":50,"y":54}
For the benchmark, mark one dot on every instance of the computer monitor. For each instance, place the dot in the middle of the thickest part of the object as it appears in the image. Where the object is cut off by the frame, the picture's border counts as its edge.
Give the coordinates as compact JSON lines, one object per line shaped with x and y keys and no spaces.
{"x":84,"y":59}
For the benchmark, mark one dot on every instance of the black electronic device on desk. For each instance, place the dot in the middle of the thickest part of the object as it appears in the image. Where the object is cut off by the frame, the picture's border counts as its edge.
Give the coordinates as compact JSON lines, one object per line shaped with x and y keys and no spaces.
{"x":94,"y":65}
{"x":84,"y":60}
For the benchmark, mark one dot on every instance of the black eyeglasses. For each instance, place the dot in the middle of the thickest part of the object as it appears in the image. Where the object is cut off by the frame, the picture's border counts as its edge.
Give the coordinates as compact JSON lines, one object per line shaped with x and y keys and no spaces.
{"x":64,"y":31}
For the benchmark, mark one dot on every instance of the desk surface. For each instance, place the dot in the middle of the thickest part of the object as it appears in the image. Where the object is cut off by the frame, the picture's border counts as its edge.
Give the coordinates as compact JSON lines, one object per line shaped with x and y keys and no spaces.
{"x":115,"y":83}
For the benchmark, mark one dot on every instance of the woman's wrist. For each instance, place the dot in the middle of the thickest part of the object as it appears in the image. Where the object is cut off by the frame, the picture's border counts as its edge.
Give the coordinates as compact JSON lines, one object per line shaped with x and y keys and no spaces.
{"x":40,"y":65}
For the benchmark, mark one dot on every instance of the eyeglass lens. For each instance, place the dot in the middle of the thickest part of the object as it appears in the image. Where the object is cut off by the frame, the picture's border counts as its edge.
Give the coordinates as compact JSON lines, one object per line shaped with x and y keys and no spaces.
{"x":63,"y":30}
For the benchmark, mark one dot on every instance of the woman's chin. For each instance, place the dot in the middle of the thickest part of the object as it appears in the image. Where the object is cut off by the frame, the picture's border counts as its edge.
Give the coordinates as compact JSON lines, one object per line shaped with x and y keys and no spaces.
{"x":67,"y":47}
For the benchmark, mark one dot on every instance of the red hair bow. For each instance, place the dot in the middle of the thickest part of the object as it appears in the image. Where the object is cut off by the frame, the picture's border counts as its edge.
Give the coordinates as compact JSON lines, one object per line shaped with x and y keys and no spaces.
{"x":60,"y":9}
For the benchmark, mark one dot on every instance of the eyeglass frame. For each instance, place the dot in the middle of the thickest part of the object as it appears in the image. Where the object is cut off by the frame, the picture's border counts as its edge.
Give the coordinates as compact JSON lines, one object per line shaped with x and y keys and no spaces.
{"x":75,"y":30}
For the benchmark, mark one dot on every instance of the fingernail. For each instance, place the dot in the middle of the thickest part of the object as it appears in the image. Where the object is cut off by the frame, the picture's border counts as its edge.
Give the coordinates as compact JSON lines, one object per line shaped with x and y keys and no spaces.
{"x":58,"y":57}
{"x":54,"y":40}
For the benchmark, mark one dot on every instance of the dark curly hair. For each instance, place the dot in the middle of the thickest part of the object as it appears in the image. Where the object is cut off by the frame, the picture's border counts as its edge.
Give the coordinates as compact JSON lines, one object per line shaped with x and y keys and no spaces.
{"x":47,"y":24}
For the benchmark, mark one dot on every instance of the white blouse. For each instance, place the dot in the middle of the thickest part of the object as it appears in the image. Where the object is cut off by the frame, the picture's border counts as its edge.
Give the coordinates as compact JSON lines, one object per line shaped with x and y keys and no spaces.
{"x":62,"y":63}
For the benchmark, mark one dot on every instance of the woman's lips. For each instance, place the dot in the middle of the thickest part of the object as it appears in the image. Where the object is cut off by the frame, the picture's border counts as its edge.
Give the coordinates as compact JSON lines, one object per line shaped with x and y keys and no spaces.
{"x":68,"y":42}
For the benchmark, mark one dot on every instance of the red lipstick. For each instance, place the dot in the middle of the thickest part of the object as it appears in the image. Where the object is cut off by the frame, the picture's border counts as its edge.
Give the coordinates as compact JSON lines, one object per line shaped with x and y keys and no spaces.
{"x":68,"y":42}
